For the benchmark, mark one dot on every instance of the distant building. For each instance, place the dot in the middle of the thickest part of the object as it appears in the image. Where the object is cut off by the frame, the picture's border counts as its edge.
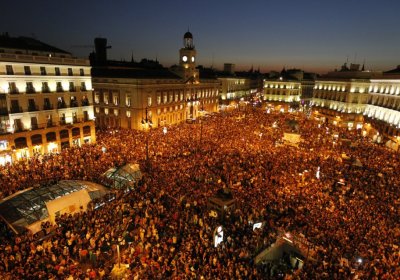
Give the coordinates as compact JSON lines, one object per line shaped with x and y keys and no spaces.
{"x":287,"y":86}
{"x":45,"y":99}
{"x":237,"y":85}
{"x":133,"y":94}
{"x":349,"y":97}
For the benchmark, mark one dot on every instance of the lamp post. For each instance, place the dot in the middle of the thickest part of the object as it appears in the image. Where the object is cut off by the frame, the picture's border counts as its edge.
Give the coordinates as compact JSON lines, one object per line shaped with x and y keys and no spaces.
{"x":147,"y":124}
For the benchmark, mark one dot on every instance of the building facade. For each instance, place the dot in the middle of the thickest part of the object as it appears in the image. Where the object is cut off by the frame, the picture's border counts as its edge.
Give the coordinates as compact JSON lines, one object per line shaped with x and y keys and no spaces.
{"x":129,"y":94}
{"x":281,"y":90}
{"x":356,"y":99}
{"x":45,"y":99}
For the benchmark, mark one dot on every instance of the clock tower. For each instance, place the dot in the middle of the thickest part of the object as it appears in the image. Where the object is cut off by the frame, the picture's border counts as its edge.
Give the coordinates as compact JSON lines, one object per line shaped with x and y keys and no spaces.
{"x":187,"y":59}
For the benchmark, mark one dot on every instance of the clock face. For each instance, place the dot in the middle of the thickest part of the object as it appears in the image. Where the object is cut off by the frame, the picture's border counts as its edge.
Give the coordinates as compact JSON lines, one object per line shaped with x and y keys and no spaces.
{"x":184,"y":58}
{"x":192,"y":58}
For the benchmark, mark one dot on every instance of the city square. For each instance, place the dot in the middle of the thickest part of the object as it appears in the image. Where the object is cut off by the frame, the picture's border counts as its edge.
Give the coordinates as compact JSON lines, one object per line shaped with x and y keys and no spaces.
{"x":210,"y":140}
{"x":163,"y":225}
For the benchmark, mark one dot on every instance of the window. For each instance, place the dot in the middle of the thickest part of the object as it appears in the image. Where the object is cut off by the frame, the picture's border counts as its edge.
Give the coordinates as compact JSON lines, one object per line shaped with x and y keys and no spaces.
{"x":32,"y":106}
{"x":57,"y":71}
{"x":128,"y":114}
{"x":171,"y":97}
{"x":83,"y":86}
{"x":115,"y":100}
{"x":106,"y":111}
{"x":62,"y":119}
{"x":128,"y":100}
{"x":46,"y":104}
{"x":81,"y":72}
{"x":59,"y":87}
{"x":12,"y":88}
{"x":165,"y":98}
{"x":85,"y":116}
{"x":15,"y":107}
{"x":158,"y":99}
{"x":116,"y":112}
{"x":73,"y":102}
{"x":97,"y":110}
{"x":149,"y":101}
{"x":43,"y":71}
{"x":71,"y":86}
{"x":105,"y":98}
{"x":61,"y":103}
{"x":10,"y":70}
{"x":27,"y":70}
{"x":45,"y":87}
{"x":85,"y":101}
{"x":70,"y":72}
{"x":29,"y":87}
{"x":97,"y":98}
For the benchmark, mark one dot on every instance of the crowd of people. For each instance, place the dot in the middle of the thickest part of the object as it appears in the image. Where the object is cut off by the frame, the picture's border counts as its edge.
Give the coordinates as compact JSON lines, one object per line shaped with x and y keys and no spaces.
{"x":348,"y":212}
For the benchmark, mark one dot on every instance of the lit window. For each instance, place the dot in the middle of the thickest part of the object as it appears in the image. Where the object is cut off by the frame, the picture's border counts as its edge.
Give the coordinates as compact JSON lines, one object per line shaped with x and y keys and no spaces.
{"x":128,"y":114}
{"x":128,"y":100}
{"x":149,"y":101}
{"x":106,"y":111}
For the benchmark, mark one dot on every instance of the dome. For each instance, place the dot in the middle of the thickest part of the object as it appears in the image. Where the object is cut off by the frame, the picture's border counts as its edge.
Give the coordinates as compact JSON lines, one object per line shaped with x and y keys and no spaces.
{"x":188,"y":35}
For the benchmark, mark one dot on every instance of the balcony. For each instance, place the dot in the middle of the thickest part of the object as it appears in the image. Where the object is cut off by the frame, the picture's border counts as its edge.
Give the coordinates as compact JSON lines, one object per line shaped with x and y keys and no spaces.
{"x":61,"y":105}
{"x":3,"y":112}
{"x":45,"y":90}
{"x":30,"y":90}
{"x":15,"y":110}
{"x":33,"y":108}
{"x":47,"y":107}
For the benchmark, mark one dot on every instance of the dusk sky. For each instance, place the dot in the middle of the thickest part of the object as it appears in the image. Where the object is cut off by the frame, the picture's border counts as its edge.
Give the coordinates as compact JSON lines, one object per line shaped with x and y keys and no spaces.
{"x":314,"y":35}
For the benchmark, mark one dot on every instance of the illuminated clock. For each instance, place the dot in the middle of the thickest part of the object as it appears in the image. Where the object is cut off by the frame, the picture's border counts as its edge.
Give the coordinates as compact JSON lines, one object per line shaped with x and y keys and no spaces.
{"x":184,"y":58}
{"x":192,"y":58}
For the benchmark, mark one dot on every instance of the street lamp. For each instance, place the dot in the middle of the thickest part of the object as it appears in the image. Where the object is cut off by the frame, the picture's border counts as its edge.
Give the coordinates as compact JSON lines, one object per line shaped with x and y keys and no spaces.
{"x":147,"y":124}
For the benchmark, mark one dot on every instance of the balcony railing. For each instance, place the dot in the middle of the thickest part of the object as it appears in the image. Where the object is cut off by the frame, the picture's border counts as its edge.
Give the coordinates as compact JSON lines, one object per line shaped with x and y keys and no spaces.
{"x":15,"y":110}
{"x":47,"y":107}
{"x":33,"y":108}
{"x":61,"y":105}
{"x":3,"y":112}
{"x":45,"y":89}
{"x":36,"y":126}
{"x":30,"y":90}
